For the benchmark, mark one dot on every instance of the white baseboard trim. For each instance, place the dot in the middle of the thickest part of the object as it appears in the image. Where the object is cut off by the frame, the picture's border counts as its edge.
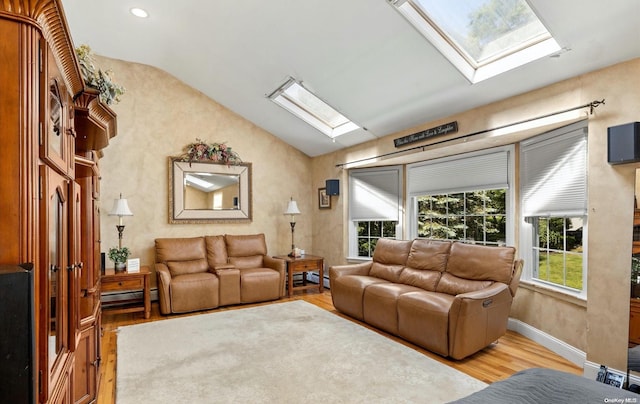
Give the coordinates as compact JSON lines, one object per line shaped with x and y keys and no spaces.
{"x":550,"y":342}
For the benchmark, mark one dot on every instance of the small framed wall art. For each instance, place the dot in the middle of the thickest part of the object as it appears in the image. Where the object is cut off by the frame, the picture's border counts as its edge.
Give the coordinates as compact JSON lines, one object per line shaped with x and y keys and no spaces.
{"x":324,"y":200}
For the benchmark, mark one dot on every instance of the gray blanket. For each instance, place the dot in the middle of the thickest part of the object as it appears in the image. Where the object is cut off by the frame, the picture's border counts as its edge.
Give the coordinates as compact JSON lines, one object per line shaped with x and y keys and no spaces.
{"x":538,"y":386}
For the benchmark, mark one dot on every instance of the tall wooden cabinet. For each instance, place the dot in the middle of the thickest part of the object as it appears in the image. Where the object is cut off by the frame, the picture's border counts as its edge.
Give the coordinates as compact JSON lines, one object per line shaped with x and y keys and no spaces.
{"x":53,"y":130}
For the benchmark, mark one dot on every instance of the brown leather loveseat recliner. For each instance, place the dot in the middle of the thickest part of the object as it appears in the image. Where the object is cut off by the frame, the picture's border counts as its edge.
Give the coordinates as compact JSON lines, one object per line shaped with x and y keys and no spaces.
{"x":201,"y":273}
{"x":451,"y":298}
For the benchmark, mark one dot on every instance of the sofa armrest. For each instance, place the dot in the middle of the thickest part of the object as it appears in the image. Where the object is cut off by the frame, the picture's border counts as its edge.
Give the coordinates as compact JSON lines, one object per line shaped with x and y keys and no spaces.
{"x":515,"y":276}
{"x":221,"y":267}
{"x":278,"y":265}
{"x":477,"y":319}
{"x":485,"y":293}
{"x":164,"y":280}
{"x":274,"y":263}
{"x":361,"y":268}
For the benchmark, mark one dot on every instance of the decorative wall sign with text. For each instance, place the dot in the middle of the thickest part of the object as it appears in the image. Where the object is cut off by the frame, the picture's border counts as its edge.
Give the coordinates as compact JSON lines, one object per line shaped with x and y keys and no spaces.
{"x":451,"y":127}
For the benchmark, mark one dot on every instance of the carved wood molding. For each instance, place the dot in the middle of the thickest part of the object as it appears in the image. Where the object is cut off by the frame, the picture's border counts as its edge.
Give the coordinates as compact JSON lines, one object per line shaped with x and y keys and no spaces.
{"x":48,"y":15}
{"x":95,"y":122}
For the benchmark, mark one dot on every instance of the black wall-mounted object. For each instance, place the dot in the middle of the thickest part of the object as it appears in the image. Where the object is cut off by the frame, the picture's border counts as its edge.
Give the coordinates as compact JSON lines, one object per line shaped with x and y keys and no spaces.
{"x":17,"y":339}
{"x":333,"y":187}
{"x":623,"y":143}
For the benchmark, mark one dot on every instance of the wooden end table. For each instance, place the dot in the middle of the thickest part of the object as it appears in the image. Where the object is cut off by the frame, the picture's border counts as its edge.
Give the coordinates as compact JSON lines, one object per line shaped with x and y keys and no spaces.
{"x":113,"y":281}
{"x":304,"y":264}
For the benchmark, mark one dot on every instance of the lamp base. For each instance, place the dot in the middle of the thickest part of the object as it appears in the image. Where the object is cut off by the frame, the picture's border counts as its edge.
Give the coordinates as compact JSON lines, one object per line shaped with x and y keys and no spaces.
{"x":120,"y":228}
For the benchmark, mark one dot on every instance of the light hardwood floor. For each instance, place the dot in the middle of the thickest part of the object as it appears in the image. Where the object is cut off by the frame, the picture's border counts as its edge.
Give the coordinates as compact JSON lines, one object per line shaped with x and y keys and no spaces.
{"x":512,"y":353}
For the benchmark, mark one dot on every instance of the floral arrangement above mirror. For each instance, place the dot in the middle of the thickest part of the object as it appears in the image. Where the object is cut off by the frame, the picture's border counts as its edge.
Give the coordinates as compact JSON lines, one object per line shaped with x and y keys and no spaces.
{"x":215,"y":152}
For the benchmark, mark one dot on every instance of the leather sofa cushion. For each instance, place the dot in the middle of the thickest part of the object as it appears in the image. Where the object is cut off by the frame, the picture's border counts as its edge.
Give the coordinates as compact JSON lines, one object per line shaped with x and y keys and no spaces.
{"x":379,"y":304}
{"x":477,"y":262}
{"x":245,"y":245}
{"x":247,"y":262}
{"x":421,"y":278}
{"x":429,"y":254}
{"x":180,"y":249}
{"x":216,"y":250}
{"x":423,"y":318}
{"x":187,"y":267}
{"x":259,"y":284}
{"x":390,"y":251}
{"x":452,"y":285}
{"x":387,"y":272}
{"x":194,"y":292}
{"x":347,"y":293}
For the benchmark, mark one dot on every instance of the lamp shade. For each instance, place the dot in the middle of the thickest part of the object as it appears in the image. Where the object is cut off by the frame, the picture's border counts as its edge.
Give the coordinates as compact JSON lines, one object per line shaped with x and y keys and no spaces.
{"x":120,"y":208}
{"x":292,"y":208}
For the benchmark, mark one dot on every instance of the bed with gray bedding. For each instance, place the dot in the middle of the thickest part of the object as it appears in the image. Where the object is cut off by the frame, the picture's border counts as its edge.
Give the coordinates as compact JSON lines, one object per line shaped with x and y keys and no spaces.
{"x":536,"y":386}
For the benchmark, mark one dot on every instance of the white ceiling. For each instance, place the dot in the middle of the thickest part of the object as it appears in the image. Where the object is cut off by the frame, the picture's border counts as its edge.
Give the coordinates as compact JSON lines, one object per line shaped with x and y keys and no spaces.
{"x":361,"y":56}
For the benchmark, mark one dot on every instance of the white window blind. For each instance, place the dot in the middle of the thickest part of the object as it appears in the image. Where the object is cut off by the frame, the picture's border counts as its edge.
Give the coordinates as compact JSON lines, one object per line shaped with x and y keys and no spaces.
{"x":374,"y":194}
{"x":554,"y":173}
{"x":462,"y":173}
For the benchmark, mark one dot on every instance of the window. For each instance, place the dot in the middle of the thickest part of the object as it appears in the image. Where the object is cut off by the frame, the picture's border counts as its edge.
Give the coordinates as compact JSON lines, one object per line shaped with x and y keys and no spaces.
{"x":558,"y":251}
{"x":482,"y":38}
{"x":554,"y":206}
{"x":465,"y":197}
{"x":369,"y":232}
{"x":475,"y":216}
{"x":374,"y":208}
{"x":296,"y":99}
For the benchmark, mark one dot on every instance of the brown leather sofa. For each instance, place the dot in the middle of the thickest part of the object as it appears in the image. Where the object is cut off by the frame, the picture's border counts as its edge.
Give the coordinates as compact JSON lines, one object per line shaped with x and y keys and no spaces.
{"x":202,"y":273}
{"x":451,"y":298}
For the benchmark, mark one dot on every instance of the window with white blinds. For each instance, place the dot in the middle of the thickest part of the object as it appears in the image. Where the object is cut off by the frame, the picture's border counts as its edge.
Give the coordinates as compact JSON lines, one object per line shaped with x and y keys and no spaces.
{"x":375,"y":193}
{"x":461,"y":173}
{"x":554,"y":173}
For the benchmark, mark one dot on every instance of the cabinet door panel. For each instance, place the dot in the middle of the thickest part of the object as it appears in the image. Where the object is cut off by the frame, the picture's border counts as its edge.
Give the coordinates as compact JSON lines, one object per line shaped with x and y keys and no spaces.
{"x":86,"y":366}
{"x":56,"y":135}
{"x":54,"y":330}
{"x":74,"y":266}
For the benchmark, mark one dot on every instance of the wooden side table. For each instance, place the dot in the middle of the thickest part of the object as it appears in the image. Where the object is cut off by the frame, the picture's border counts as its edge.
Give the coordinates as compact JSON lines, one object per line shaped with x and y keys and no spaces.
{"x":113,"y":281}
{"x":304,"y":264}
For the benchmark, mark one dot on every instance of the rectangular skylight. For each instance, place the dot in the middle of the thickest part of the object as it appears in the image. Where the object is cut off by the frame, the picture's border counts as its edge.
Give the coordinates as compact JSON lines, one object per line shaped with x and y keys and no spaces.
{"x":482,"y":38}
{"x":296,"y":99}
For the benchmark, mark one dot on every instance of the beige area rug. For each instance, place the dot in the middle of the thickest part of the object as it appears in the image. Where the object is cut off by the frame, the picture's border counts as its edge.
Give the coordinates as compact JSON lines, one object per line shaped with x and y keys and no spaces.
{"x":291,"y":352}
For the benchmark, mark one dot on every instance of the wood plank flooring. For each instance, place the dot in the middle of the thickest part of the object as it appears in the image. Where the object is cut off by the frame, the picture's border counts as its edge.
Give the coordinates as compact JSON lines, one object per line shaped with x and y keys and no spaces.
{"x":512,"y":353}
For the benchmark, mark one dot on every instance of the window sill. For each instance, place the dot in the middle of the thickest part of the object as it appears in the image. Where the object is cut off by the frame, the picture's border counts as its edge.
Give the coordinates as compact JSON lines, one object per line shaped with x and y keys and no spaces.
{"x":566,"y":297}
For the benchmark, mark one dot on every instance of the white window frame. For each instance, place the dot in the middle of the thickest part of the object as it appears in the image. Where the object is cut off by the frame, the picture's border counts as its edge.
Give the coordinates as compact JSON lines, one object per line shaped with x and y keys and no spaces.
{"x":353,"y":230}
{"x":412,"y":201}
{"x":527,"y":231}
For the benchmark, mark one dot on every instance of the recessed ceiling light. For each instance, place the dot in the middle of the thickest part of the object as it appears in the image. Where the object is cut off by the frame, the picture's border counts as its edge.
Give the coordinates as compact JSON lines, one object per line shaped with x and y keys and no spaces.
{"x":138,"y":12}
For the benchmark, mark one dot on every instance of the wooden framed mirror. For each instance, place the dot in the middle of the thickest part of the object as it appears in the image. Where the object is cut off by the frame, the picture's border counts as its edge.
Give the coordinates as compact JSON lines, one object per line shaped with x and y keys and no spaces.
{"x":209,"y":192}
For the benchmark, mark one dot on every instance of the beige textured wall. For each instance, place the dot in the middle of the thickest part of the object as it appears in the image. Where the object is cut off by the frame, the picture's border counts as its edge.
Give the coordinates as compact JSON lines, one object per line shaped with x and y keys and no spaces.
{"x":157,"y":117}
{"x":599,"y":326}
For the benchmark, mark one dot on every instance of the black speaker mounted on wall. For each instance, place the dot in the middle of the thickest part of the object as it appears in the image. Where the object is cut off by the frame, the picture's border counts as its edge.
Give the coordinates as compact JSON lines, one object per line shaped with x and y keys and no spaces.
{"x":333,"y":187}
{"x":623,"y":143}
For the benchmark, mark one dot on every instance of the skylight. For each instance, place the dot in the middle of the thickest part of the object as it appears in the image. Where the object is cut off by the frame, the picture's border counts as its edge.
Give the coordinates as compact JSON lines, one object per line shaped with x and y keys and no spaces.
{"x":296,"y":99}
{"x":481,"y":38}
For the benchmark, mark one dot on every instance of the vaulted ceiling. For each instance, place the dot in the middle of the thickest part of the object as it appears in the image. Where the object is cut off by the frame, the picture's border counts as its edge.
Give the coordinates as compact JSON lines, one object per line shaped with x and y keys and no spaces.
{"x":361,"y":56}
